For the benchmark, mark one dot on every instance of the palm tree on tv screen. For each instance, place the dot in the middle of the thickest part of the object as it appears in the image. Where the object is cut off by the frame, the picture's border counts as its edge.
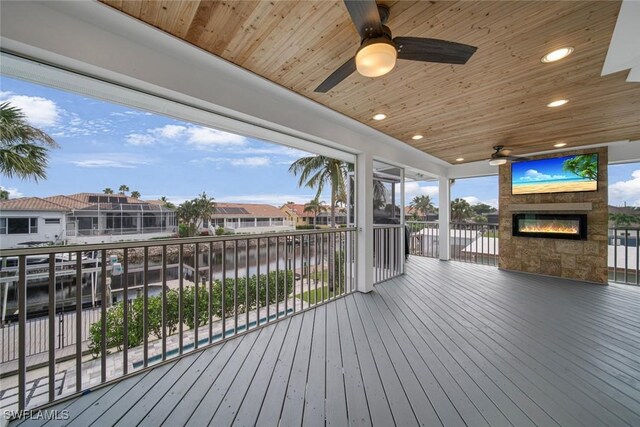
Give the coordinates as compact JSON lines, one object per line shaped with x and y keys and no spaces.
{"x":585,"y":166}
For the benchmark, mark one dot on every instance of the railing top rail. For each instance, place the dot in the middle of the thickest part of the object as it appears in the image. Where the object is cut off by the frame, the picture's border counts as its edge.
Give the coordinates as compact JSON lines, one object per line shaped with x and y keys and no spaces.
{"x":387,"y":226}
{"x":410,"y":221}
{"x":162,"y":242}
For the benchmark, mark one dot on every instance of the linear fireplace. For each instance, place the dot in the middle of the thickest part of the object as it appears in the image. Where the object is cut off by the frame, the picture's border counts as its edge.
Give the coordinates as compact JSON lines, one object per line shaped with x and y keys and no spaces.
{"x":552,"y":226}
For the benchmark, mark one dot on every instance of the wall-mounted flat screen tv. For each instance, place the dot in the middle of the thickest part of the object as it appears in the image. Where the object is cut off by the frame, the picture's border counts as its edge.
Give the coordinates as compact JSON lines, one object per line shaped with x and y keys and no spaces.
{"x":555,"y":175}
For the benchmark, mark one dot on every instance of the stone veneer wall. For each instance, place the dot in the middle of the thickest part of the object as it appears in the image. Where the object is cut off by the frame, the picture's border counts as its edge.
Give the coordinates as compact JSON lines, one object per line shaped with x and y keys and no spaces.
{"x":574,"y":259}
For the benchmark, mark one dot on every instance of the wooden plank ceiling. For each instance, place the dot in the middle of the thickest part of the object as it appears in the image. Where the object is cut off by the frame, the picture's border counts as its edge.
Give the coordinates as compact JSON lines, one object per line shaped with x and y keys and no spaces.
{"x":498,"y":97}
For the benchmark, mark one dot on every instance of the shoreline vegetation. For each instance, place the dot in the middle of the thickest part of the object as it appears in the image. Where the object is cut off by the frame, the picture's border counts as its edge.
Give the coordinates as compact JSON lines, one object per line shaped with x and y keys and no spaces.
{"x":554,"y":187}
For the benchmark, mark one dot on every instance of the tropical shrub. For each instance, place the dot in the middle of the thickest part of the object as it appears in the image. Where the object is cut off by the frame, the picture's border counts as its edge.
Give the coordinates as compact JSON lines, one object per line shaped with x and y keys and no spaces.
{"x":246,"y":299}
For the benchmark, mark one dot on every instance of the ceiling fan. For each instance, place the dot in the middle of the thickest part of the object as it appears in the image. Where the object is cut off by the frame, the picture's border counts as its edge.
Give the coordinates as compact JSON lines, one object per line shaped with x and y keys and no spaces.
{"x":502,"y":156}
{"x":378,"y":50}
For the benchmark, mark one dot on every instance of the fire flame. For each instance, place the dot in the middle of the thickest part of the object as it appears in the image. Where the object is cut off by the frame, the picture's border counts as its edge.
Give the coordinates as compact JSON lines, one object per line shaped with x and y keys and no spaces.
{"x":549,"y":228}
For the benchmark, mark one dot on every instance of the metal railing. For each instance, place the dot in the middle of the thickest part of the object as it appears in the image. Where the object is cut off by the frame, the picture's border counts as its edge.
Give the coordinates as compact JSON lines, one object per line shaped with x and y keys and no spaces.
{"x":160,"y":299}
{"x":388,"y":252}
{"x":474,"y":242}
{"x":85,"y":232}
{"x":236,"y":225}
{"x":623,"y":259}
{"x":423,"y":238}
{"x":469,"y":242}
{"x":38,"y":332}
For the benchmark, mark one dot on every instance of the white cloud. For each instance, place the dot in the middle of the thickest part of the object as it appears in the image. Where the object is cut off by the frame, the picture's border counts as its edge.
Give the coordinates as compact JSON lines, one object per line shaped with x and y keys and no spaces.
{"x":13,"y":192}
{"x":473,"y":200}
{"x":169,"y":131}
{"x":626,"y":191}
{"x":412,"y":189}
{"x":110,"y":160}
{"x":199,"y":137}
{"x":251,"y":162}
{"x":534,"y":175}
{"x":41,"y":112}
{"x":235,"y":161}
{"x":140,"y":139}
{"x":275,"y":150}
{"x":206,"y":138}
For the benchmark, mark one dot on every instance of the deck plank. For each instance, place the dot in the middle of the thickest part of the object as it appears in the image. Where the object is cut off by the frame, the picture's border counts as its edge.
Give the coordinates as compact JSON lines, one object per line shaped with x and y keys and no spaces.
{"x":336,"y":400}
{"x":213,"y":397}
{"x":447,"y":344}
{"x":357,"y":406}
{"x":271,"y":407}
{"x":247,"y":412}
{"x":314,"y":415}
{"x":293,"y":406}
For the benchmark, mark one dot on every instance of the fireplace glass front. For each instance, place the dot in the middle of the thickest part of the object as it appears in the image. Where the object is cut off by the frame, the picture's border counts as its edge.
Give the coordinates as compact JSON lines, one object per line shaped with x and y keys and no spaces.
{"x":553,"y":226}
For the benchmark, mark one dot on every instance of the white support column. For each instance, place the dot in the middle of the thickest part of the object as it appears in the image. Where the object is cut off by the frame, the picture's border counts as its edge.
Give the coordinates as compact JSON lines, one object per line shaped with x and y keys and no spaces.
{"x":364,"y":222}
{"x":402,"y":221}
{"x":444,"y":199}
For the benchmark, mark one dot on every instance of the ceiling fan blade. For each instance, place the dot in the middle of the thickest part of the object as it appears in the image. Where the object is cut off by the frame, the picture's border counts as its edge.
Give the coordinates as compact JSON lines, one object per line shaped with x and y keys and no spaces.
{"x":365,"y":16}
{"x":433,"y":50}
{"x":344,"y":71}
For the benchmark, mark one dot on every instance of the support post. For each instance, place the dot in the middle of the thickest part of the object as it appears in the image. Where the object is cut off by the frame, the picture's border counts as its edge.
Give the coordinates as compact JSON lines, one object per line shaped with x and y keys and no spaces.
{"x":364,"y":222}
{"x":444,"y":198}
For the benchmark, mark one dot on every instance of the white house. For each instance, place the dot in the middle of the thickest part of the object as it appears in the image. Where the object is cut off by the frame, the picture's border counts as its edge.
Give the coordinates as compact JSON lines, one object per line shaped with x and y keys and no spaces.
{"x":82,"y":218}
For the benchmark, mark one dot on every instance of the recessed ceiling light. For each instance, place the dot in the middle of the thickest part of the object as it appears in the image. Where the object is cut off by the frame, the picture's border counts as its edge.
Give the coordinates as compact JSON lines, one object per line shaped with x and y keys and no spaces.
{"x":459,"y":159}
{"x":560,"y":144}
{"x":557,"y":103}
{"x":379,"y":116}
{"x":416,"y":137}
{"x":557,"y":54}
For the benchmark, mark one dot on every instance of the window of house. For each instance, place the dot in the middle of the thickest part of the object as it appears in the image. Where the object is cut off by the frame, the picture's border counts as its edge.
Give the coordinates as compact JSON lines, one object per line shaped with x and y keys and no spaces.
{"x":52,"y":220}
{"x":18,"y":225}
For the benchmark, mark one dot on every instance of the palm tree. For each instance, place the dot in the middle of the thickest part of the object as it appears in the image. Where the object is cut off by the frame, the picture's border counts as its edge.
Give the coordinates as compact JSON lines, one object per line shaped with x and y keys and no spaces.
{"x":422,"y":204}
{"x":24,"y":149}
{"x":192,"y":212}
{"x":135,"y":194}
{"x":107,"y":191}
{"x":123,"y":189}
{"x":460,"y":210}
{"x":316,"y":207}
{"x":167,"y":203}
{"x":318,"y":171}
{"x":4,"y":194}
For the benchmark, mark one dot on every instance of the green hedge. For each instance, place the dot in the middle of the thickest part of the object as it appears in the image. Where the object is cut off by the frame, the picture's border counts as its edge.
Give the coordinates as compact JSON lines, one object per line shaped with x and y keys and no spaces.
{"x":115,"y":314}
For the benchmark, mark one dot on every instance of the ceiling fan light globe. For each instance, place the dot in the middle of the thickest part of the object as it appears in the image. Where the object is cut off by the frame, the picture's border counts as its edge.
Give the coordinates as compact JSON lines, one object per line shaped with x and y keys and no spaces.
{"x":497,"y":162}
{"x":376,"y":58}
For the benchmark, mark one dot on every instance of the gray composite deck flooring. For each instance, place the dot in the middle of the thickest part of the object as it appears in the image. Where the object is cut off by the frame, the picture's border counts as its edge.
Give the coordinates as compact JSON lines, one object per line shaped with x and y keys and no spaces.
{"x":446,"y":344}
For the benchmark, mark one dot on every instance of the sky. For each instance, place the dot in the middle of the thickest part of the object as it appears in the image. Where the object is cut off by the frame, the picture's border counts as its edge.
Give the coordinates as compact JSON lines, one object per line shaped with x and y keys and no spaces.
{"x":106,"y":145}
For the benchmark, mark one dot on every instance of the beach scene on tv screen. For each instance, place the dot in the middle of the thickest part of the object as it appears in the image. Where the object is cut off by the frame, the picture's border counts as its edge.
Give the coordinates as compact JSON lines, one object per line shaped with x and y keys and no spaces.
{"x":555,"y":175}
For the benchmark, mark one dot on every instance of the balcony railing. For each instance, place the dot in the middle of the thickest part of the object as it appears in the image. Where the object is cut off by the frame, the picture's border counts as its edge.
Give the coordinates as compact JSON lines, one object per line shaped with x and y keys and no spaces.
{"x":235,"y":225}
{"x":155,"y":300}
{"x":623,"y":259}
{"x":388,"y":252}
{"x":72,"y":232}
{"x":469,"y":242}
{"x":423,"y":238}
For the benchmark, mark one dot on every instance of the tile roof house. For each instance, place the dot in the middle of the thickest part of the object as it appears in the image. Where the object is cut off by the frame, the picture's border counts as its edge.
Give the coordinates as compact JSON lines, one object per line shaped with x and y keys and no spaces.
{"x":251,"y":218}
{"x":82,"y":218}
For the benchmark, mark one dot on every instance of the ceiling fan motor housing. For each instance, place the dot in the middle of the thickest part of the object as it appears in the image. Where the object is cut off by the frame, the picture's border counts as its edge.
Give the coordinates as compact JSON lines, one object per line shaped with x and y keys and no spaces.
{"x":376,"y":57}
